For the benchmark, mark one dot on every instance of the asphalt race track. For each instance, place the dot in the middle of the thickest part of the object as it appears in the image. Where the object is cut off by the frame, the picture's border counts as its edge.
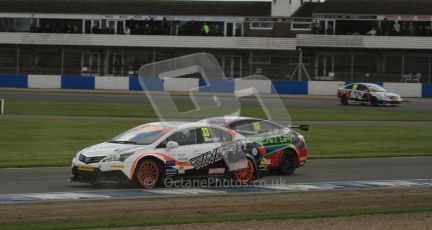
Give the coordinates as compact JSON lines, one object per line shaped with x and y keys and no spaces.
{"x":44,"y":180}
{"x":227,"y":100}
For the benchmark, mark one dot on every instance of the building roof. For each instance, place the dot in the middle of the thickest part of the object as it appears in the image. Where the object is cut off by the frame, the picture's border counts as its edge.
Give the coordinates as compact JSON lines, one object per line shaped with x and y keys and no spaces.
{"x":375,"y":7}
{"x":139,"y":7}
{"x":306,"y":10}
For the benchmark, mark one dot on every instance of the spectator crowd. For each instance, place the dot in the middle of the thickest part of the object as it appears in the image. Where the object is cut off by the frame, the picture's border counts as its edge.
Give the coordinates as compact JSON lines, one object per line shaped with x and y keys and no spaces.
{"x":196,"y":28}
{"x":395,"y":28}
{"x":136,"y":27}
{"x":47,"y":28}
{"x":384,"y":28}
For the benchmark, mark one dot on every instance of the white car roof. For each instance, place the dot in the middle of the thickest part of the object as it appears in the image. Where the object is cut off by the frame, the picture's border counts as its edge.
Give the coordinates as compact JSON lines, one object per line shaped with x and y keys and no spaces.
{"x":371,"y":84}
{"x":176,"y":125}
{"x":171,"y":124}
{"x":366,"y":84}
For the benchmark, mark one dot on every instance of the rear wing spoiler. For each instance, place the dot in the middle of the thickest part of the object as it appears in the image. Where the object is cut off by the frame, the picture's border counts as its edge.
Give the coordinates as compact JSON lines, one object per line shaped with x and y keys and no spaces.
{"x":301,"y":127}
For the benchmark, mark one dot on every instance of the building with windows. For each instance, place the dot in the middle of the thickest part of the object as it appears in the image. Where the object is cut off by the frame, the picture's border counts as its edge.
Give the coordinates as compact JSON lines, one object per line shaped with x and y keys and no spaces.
{"x":386,"y":40}
{"x":116,"y":37}
{"x":401,"y":46}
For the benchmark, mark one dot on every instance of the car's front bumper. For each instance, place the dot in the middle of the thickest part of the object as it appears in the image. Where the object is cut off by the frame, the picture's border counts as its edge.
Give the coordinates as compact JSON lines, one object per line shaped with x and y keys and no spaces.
{"x":101,"y":172}
{"x":391,"y":102}
{"x":96,"y":176}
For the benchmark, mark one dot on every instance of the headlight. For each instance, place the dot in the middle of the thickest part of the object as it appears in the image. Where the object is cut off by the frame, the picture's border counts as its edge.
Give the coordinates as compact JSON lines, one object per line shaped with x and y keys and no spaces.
{"x":77,"y":155}
{"x":118,"y":157}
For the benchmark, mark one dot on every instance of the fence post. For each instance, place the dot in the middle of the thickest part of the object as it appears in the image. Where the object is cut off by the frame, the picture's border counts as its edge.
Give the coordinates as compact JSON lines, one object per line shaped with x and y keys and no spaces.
{"x":2,"y":106}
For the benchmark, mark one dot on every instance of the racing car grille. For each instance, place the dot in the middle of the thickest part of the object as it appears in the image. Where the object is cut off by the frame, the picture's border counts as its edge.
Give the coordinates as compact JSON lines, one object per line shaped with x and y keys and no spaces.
{"x":82,"y":158}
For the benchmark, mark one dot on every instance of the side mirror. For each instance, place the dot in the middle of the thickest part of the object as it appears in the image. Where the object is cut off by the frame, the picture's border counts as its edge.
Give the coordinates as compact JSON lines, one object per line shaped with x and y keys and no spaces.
{"x":172,"y":145}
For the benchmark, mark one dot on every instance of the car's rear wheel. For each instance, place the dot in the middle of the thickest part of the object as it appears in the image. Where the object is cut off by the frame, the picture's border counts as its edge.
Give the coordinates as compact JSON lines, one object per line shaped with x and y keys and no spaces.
{"x":288,"y":163}
{"x":344,"y":100}
{"x":245,"y":175}
{"x":148,"y":174}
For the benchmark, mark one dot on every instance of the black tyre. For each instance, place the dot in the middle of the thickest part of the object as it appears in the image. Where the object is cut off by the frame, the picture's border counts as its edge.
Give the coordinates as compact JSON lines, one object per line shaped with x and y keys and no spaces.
{"x":374,"y":101}
{"x":344,"y":100}
{"x":288,"y":163}
{"x":148,"y":174}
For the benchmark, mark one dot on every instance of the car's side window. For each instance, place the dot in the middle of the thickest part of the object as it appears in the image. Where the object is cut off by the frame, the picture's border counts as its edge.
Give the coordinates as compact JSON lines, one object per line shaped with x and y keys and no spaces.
{"x":205,"y":135}
{"x":184,"y":137}
{"x":361,"y":87}
{"x":245,"y":127}
{"x":269,"y":127}
{"x":349,"y":87}
{"x":255,"y":127}
{"x":220,"y":135}
{"x":212,"y":135}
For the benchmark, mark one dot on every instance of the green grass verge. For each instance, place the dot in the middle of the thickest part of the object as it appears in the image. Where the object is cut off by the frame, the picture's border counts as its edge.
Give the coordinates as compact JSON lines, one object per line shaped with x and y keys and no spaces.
{"x":345,"y":141}
{"x":35,"y":107}
{"x":28,"y":143}
{"x":214,"y":218}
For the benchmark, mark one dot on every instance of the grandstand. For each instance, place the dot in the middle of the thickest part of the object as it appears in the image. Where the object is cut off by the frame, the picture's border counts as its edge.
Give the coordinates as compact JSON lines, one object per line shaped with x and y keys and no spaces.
{"x":116,"y":37}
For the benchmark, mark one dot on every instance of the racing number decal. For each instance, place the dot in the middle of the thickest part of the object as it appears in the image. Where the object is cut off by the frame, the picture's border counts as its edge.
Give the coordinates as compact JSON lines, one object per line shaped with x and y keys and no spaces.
{"x":257,"y":126}
{"x":356,"y":94}
{"x":205,"y":132}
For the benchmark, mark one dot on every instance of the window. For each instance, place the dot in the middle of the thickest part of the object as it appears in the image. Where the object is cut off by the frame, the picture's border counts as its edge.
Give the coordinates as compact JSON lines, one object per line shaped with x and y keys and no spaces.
{"x":349,"y":86}
{"x":295,"y":60}
{"x":184,"y":137}
{"x":248,"y":128}
{"x":243,"y":128}
{"x":302,"y":26}
{"x":261,"y":25}
{"x":376,"y":88}
{"x":213,"y":135}
{"x":261,"y":60}
{"x":139,"y":135}
{"x":15,"y":24}
{"x":361,"y":87}
{"x":221,"y":135}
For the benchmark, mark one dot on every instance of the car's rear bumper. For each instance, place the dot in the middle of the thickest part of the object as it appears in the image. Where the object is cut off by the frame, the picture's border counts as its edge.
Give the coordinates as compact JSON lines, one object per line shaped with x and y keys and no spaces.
{"x":302,"y":156}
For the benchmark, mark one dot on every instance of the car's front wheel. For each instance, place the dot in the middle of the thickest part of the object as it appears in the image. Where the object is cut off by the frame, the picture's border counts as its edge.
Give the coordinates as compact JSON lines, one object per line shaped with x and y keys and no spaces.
{"x":148,"y":174}
{"x":288,"y":163}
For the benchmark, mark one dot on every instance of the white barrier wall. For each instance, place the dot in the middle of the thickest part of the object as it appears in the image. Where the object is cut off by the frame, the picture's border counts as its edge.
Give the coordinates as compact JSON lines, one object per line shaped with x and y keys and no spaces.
{"x":324,"y":88}
{"x":405,"y":89}
{"x":114,"y":83}
{"x":44,"y":81}
{"x":241,"y":86}
{"x":262,"y":86}
{"x":181,"y":84}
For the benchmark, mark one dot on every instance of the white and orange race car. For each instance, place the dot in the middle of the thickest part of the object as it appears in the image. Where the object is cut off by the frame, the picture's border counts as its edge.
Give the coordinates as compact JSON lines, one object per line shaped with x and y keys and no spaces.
{"x":149,"y":154}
